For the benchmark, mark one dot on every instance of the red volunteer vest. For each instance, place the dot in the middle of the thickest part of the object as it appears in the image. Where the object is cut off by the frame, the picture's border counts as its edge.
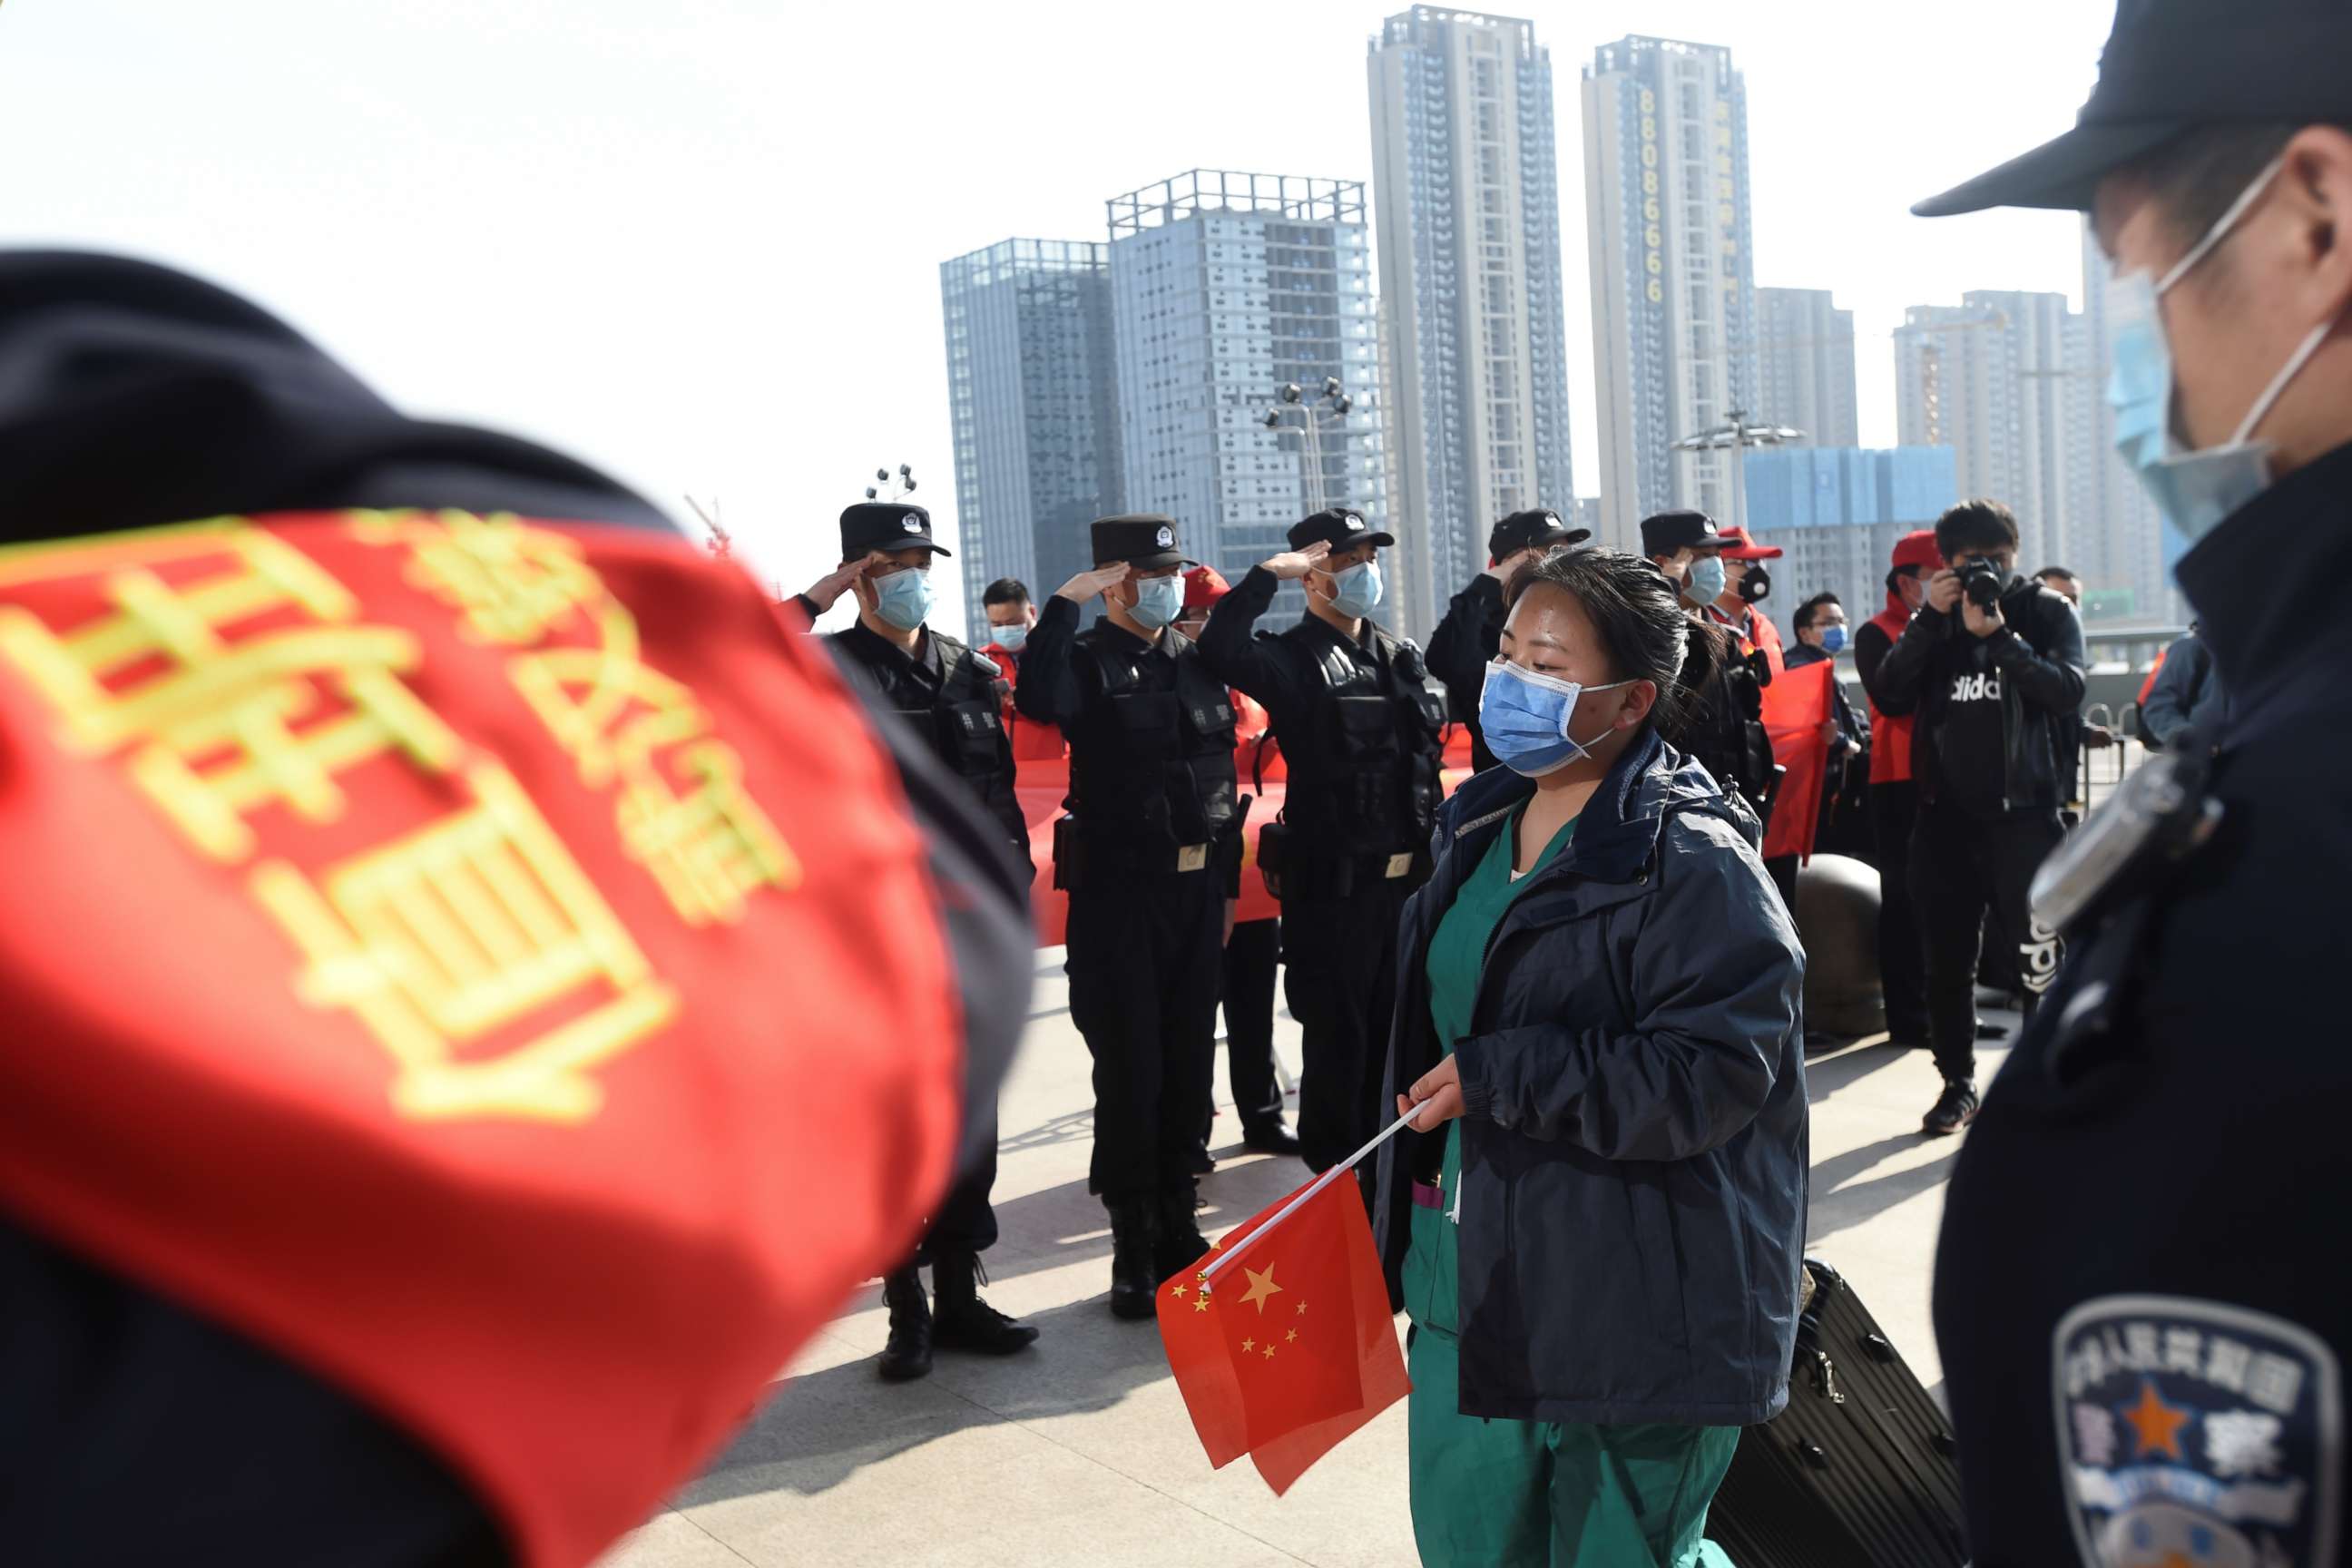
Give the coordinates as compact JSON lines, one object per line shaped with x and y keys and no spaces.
{"x":428,"y":944}
{"x":1890,"y":737}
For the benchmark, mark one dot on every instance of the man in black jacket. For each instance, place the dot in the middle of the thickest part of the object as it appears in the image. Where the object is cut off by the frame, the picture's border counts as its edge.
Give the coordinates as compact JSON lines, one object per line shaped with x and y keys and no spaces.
{"x":2143,"y":1314}
{"x":952,"y":699}
{"x":1466,"y":641}
{"x":1150,"y":856}
{"x":1358,"y":729}
{"x":1993,"y":666}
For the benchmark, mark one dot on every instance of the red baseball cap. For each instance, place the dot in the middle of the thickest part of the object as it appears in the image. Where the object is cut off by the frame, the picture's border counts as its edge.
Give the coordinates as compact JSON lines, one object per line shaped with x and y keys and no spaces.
{"x":1737,"y":545}
{"x":1205,"y":585}
{"x":1917,"y":550}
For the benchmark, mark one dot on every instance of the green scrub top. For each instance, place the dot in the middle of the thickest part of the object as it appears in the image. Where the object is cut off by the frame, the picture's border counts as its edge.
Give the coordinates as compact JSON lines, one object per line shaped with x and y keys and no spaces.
{"x":1458,"y":951}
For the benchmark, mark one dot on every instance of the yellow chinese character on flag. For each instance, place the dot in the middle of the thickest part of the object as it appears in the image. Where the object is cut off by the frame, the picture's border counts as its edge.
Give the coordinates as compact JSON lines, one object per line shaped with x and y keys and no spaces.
{"x":230,"y":688}
{"x":450,"y":943}
{"x":710,"y":846}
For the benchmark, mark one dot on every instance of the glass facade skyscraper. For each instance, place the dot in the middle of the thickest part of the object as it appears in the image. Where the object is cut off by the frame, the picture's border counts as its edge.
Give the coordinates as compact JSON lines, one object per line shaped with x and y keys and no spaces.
{"x":1673,"y":278}
{"x":1031,"y":384}
{"x":1466,"y":185}
{"x":1224,"y":287}
{"x":1804,"y":365}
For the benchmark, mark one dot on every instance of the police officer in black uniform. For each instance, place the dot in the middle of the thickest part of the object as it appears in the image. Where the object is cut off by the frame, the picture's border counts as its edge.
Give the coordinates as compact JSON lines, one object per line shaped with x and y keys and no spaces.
{"x":1724,"y":727}
{"x":2143,"y":1296}
{"x":1359,"y":729}
{"x":1148,"y":853}
{"x":951,"y":698}
{"x":1466,"y":640}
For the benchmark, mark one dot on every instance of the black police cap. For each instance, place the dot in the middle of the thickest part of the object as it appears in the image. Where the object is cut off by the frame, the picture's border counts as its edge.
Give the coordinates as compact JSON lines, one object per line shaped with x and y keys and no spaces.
{"x":1536,"y":529}
{"x":1340,"y":527}
{"x":1145,"y":541}
{"x":1671,"y":530}
{"x":885,"y":525}
{"x":2172,"y":65}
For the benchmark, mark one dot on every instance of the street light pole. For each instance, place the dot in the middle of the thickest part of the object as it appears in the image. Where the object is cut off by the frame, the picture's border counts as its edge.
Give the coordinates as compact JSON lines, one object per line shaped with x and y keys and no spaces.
{"x":1334,"y":404}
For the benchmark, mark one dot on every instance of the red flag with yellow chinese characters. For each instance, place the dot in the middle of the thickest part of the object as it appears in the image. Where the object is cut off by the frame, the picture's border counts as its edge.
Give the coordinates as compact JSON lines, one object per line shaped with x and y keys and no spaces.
{"x":1287,"y":1347}
{"x":1796,"y":705}
{"x":421,"y":934}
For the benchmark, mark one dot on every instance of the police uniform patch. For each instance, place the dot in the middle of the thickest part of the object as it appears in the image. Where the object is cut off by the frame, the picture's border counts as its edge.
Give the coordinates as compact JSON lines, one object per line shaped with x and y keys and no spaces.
{"x":911,"y":524}
{"x":1165,"y":539}
{"x":2197,"y":1434}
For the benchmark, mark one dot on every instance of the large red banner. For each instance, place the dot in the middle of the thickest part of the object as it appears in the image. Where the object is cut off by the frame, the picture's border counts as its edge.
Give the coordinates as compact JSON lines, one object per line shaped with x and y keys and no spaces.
{"x":1043,"y":782}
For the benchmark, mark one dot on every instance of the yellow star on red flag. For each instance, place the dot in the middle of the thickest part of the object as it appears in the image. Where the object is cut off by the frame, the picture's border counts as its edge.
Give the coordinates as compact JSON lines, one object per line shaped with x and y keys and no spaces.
{"x":1261,"y":1286}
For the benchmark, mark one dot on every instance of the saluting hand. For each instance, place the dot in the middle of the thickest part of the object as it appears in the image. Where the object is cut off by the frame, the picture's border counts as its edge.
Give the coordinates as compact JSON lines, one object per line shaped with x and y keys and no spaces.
{"x":1438,"y":1093}
{"x":1087,"y":585}
{"x":829,"y":588}
{"x":1293,"y":564}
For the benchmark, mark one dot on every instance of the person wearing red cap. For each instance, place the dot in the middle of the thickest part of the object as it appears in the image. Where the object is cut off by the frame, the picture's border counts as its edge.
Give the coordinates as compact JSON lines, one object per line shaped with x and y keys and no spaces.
{"x":1746,"y":584}
{"x":1253,"y":948}
{"x":1893,"y":797}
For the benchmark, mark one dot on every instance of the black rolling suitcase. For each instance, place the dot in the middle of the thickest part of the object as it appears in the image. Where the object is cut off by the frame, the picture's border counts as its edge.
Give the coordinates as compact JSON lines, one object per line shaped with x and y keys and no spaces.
{"x":1858,"y":1471}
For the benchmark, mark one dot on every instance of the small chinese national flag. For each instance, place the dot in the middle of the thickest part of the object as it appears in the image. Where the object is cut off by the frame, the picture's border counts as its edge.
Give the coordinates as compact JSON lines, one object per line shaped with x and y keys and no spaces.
{"x":1289,"y":1347}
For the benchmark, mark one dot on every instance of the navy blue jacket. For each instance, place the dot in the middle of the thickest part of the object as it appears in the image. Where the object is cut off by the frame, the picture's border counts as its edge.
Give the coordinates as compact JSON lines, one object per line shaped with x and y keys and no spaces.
{"x":1633,"y":1150}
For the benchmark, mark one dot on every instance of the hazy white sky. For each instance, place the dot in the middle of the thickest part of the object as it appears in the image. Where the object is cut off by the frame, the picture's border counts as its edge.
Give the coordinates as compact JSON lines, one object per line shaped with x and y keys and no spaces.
{"x":699,"y":242}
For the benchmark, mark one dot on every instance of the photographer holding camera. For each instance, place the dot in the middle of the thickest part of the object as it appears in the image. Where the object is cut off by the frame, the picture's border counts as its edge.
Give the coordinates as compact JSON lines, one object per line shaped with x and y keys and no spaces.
{"x":1992,"y":666}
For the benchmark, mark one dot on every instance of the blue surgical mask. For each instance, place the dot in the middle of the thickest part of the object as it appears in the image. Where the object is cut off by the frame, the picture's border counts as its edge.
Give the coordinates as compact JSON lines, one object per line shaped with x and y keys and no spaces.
{"x":904,"y":599}
{"x":1833,"y":640}
{"x":1010,"y":638}
{"x":2194,"y":490}
{"x":1157,"y":601}
{"x":1525,"y":716}
{"x":1707,"y":579}
{"x":1357,"y":591}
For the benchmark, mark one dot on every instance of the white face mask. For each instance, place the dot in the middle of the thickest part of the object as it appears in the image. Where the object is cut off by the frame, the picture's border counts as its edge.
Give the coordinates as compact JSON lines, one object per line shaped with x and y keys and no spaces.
{"x":2195,"y":490}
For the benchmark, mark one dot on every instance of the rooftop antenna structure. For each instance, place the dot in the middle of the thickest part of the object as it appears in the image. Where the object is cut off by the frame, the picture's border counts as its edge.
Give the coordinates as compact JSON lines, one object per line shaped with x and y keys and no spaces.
{"x":904,"y":481}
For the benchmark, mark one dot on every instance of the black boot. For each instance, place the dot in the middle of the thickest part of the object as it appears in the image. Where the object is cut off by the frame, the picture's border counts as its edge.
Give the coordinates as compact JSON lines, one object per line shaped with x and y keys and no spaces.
{"x":1134,"y":1229}
{"x":1269,"y":1137}
{"x":908,"y":1354}
{"x":1180,"y":1245}
{"x":965,"y":1322}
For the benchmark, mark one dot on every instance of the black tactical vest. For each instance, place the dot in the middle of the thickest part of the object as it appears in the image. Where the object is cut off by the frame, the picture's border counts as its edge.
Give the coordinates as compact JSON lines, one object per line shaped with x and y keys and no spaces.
{"x":963,"y":721}
{"x":1151,"y":769}
{"x":1367,"y":779}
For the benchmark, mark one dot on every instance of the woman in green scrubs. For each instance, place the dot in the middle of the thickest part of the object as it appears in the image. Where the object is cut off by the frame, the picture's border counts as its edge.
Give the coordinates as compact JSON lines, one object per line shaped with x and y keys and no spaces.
{"x":1595,"y":1226}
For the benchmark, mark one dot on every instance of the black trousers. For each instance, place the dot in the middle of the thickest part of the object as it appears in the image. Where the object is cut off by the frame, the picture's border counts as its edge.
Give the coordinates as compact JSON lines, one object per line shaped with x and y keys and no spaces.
{"x":1902,"y":970}
{"x":1339,"y":958}
{"x":1145,"y":961}
{"x":1250,"y":960}
{"x":966,"y":1220}
{"x":1964,"y":869}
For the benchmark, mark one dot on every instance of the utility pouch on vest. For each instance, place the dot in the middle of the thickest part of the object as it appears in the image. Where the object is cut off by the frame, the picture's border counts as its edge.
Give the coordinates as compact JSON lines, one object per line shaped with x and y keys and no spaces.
{"x":1273,"y":856}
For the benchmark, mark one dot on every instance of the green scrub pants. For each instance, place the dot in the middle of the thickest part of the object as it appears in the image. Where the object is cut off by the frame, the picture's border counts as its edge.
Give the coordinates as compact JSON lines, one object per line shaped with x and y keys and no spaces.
{"x":1543,"y":1494}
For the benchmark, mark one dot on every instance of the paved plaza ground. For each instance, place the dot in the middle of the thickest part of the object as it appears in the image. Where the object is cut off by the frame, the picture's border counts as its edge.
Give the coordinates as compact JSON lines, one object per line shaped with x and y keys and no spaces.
{"x":1079,"y":1451}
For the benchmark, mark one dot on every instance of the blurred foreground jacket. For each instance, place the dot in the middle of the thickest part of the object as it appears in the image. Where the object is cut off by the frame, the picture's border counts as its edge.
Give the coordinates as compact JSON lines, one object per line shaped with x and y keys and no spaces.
{"x":410,"y":839}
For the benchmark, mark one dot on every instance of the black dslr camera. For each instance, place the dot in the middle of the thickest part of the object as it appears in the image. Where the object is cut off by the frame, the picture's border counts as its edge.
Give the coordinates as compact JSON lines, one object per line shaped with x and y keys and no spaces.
{"x":1982,"y":581}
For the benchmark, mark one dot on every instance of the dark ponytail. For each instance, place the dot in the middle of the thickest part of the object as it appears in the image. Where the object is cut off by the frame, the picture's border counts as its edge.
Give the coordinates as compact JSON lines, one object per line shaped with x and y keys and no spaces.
{"x":1638,"y":616}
